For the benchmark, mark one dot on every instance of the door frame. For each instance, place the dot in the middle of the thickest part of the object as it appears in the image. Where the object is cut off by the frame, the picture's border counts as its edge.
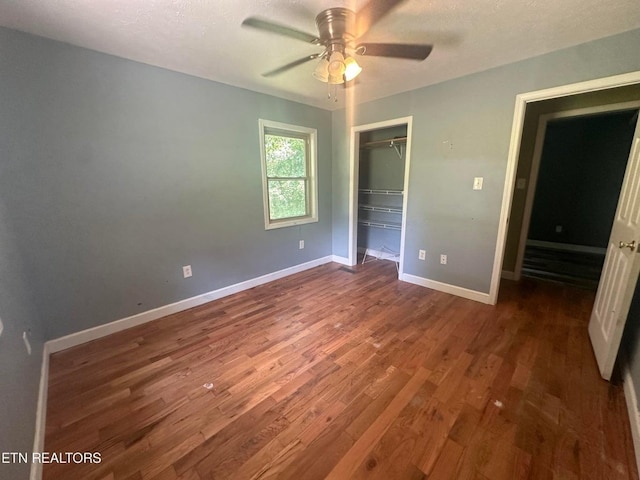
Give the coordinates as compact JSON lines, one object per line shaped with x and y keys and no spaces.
{"x":354,"y":157}
{"x":522,"y":100}
{"x":537,"y":158}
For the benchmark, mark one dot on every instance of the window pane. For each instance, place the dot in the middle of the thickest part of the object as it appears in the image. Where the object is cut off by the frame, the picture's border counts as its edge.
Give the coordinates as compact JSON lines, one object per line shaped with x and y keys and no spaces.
{"x":285,"y":156}
{"x":287,"y":198}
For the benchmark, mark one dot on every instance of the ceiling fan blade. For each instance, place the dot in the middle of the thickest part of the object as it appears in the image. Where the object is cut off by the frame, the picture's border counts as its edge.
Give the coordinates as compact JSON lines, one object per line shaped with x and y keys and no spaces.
{"x":412,"y":51}
{"x":372,"y":13}
{"x":291,"y":65}
{"x":278,"y":29}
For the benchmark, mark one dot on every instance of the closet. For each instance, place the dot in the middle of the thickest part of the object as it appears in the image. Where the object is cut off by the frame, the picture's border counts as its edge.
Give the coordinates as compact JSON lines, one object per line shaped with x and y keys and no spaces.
{"x":381,"y":175}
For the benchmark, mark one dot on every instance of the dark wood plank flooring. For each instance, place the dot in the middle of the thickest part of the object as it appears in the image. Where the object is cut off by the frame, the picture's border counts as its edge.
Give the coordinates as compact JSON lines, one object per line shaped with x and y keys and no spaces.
{"x":334,"y":374}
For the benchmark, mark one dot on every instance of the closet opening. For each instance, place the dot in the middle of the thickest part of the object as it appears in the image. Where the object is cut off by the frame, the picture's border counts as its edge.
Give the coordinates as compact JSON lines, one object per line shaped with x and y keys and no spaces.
{"x":380,"y":167}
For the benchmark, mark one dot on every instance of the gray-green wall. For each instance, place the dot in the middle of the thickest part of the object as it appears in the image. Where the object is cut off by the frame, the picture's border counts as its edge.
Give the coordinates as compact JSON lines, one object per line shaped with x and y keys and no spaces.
{"x":113,"y":175}
{"x":19,"y":372}
{"x":473,"y":115}
{"x":116,"y":174}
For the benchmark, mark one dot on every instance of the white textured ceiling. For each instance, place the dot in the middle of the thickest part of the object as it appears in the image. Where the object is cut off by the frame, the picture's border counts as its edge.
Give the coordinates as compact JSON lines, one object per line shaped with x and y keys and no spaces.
{"x":205,"y":38}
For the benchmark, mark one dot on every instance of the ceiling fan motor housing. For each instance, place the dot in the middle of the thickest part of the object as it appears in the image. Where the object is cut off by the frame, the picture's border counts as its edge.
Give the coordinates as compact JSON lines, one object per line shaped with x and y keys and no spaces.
{"x":336,"y":27}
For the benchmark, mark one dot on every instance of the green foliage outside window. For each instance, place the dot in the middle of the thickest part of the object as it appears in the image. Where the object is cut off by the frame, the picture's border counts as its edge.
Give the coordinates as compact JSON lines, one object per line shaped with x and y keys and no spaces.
{"x":286,"y":162}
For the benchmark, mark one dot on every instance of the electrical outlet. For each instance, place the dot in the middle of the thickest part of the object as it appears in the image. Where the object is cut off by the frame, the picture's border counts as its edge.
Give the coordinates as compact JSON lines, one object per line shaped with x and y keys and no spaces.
{"x":186,"y":271}
{"x":422,"y":254}
{"x":477,"y":183}
{"x":1,"y":327}
{"x":301,"y":244}
{"x":443,"y":259}
{"x":26,"y":342}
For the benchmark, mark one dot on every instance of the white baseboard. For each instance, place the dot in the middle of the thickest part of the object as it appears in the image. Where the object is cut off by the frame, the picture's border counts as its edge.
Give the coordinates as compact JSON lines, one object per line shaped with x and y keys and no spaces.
{"x":445,"y":287}
{"x":94,"y":333}
{"x":41,"y":414}
{"x":507,"y":275}
{"x":632,"y":409}
{"x":100,"y":331}
{"x":341,"y":260}
{"x":567,"y":247}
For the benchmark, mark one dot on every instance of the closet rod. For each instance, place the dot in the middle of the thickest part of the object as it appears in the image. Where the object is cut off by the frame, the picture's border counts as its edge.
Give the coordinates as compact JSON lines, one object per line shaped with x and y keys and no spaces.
{"x":396,"y":143}
{"x":389,"y":141}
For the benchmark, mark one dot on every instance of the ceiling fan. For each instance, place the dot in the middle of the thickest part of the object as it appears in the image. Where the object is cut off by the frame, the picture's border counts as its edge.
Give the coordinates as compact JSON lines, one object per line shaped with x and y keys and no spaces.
{"x":338,"y":32}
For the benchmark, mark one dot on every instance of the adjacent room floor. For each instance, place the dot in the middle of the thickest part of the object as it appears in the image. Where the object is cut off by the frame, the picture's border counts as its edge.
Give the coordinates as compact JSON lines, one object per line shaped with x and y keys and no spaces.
{"x":346,"y":373}
{"x":581,"y":269}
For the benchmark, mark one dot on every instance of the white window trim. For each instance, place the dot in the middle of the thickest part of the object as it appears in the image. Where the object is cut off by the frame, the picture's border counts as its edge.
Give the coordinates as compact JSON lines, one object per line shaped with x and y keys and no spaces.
{"x":312,"y":174}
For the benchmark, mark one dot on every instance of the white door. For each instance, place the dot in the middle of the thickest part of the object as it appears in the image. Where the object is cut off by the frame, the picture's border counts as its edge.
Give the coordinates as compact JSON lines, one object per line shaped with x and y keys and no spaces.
{"x":621,"y":268}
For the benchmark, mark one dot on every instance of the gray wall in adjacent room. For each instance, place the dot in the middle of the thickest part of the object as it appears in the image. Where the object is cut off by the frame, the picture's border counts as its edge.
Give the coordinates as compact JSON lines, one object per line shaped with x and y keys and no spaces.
{"x":581,"y":170}
{"x":19,"y":371}
{"x":116,"y":174}
{"x":461,"y":130}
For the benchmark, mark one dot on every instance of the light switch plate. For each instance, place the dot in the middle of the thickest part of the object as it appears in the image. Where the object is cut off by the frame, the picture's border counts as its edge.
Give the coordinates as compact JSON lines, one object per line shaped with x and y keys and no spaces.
{"x":477,"y":183}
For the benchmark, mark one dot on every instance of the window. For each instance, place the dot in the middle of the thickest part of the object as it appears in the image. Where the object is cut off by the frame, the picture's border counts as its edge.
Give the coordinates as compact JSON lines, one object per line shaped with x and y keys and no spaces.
{"x":288,"y":174}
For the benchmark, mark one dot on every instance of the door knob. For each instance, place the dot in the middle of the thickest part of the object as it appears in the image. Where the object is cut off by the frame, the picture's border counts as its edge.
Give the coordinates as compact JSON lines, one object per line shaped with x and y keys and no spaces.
{"x":631,"y":245}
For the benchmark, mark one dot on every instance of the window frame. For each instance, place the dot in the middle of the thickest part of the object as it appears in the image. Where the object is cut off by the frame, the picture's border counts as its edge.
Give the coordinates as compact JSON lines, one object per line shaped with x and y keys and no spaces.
{"x":310,"y":135}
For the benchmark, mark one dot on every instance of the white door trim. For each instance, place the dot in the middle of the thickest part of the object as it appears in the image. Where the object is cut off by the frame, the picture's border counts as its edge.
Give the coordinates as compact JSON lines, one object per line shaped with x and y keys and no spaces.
{"x":537,"y":157}
{"x":514,"y":150}
{"x":354,"y":155}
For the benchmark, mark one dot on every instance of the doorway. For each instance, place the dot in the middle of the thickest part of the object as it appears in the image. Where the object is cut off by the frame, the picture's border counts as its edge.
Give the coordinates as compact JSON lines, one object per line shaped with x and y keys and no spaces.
{"x":379,"y":181}
{"x":528,"y":108}
{"x":578,"y":165}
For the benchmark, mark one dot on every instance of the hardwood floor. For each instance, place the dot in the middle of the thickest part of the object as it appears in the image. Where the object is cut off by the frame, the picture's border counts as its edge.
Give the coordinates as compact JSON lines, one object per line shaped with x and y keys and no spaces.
{"x":345,"y":373}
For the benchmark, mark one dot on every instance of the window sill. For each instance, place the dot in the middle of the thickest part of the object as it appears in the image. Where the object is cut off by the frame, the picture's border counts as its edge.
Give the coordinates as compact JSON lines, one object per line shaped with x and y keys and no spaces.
{"x":289,"y":222}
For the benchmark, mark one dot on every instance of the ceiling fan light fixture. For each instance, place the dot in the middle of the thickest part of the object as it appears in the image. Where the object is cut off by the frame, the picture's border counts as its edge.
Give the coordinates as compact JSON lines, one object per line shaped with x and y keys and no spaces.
{"x":338,"y":30}
{"x":336,"y":64}
{"x":322,"y":71}
{"x":352,"y":69}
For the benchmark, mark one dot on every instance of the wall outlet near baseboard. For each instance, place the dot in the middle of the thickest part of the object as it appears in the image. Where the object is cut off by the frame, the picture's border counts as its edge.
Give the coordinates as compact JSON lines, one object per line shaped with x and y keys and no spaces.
{"x":186,"y":271}
{"x":422,"y":254}
{"x":301,"y":244}
{"x":443,"y":259}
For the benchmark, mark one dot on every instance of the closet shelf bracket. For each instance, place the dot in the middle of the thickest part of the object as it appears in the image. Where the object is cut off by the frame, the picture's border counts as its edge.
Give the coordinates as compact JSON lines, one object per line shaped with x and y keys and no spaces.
{"x":397,"y":147}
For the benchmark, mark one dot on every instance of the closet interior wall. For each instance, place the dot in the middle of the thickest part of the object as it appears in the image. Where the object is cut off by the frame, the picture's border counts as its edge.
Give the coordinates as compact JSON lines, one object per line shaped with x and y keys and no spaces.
{"x":380,"y":191}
